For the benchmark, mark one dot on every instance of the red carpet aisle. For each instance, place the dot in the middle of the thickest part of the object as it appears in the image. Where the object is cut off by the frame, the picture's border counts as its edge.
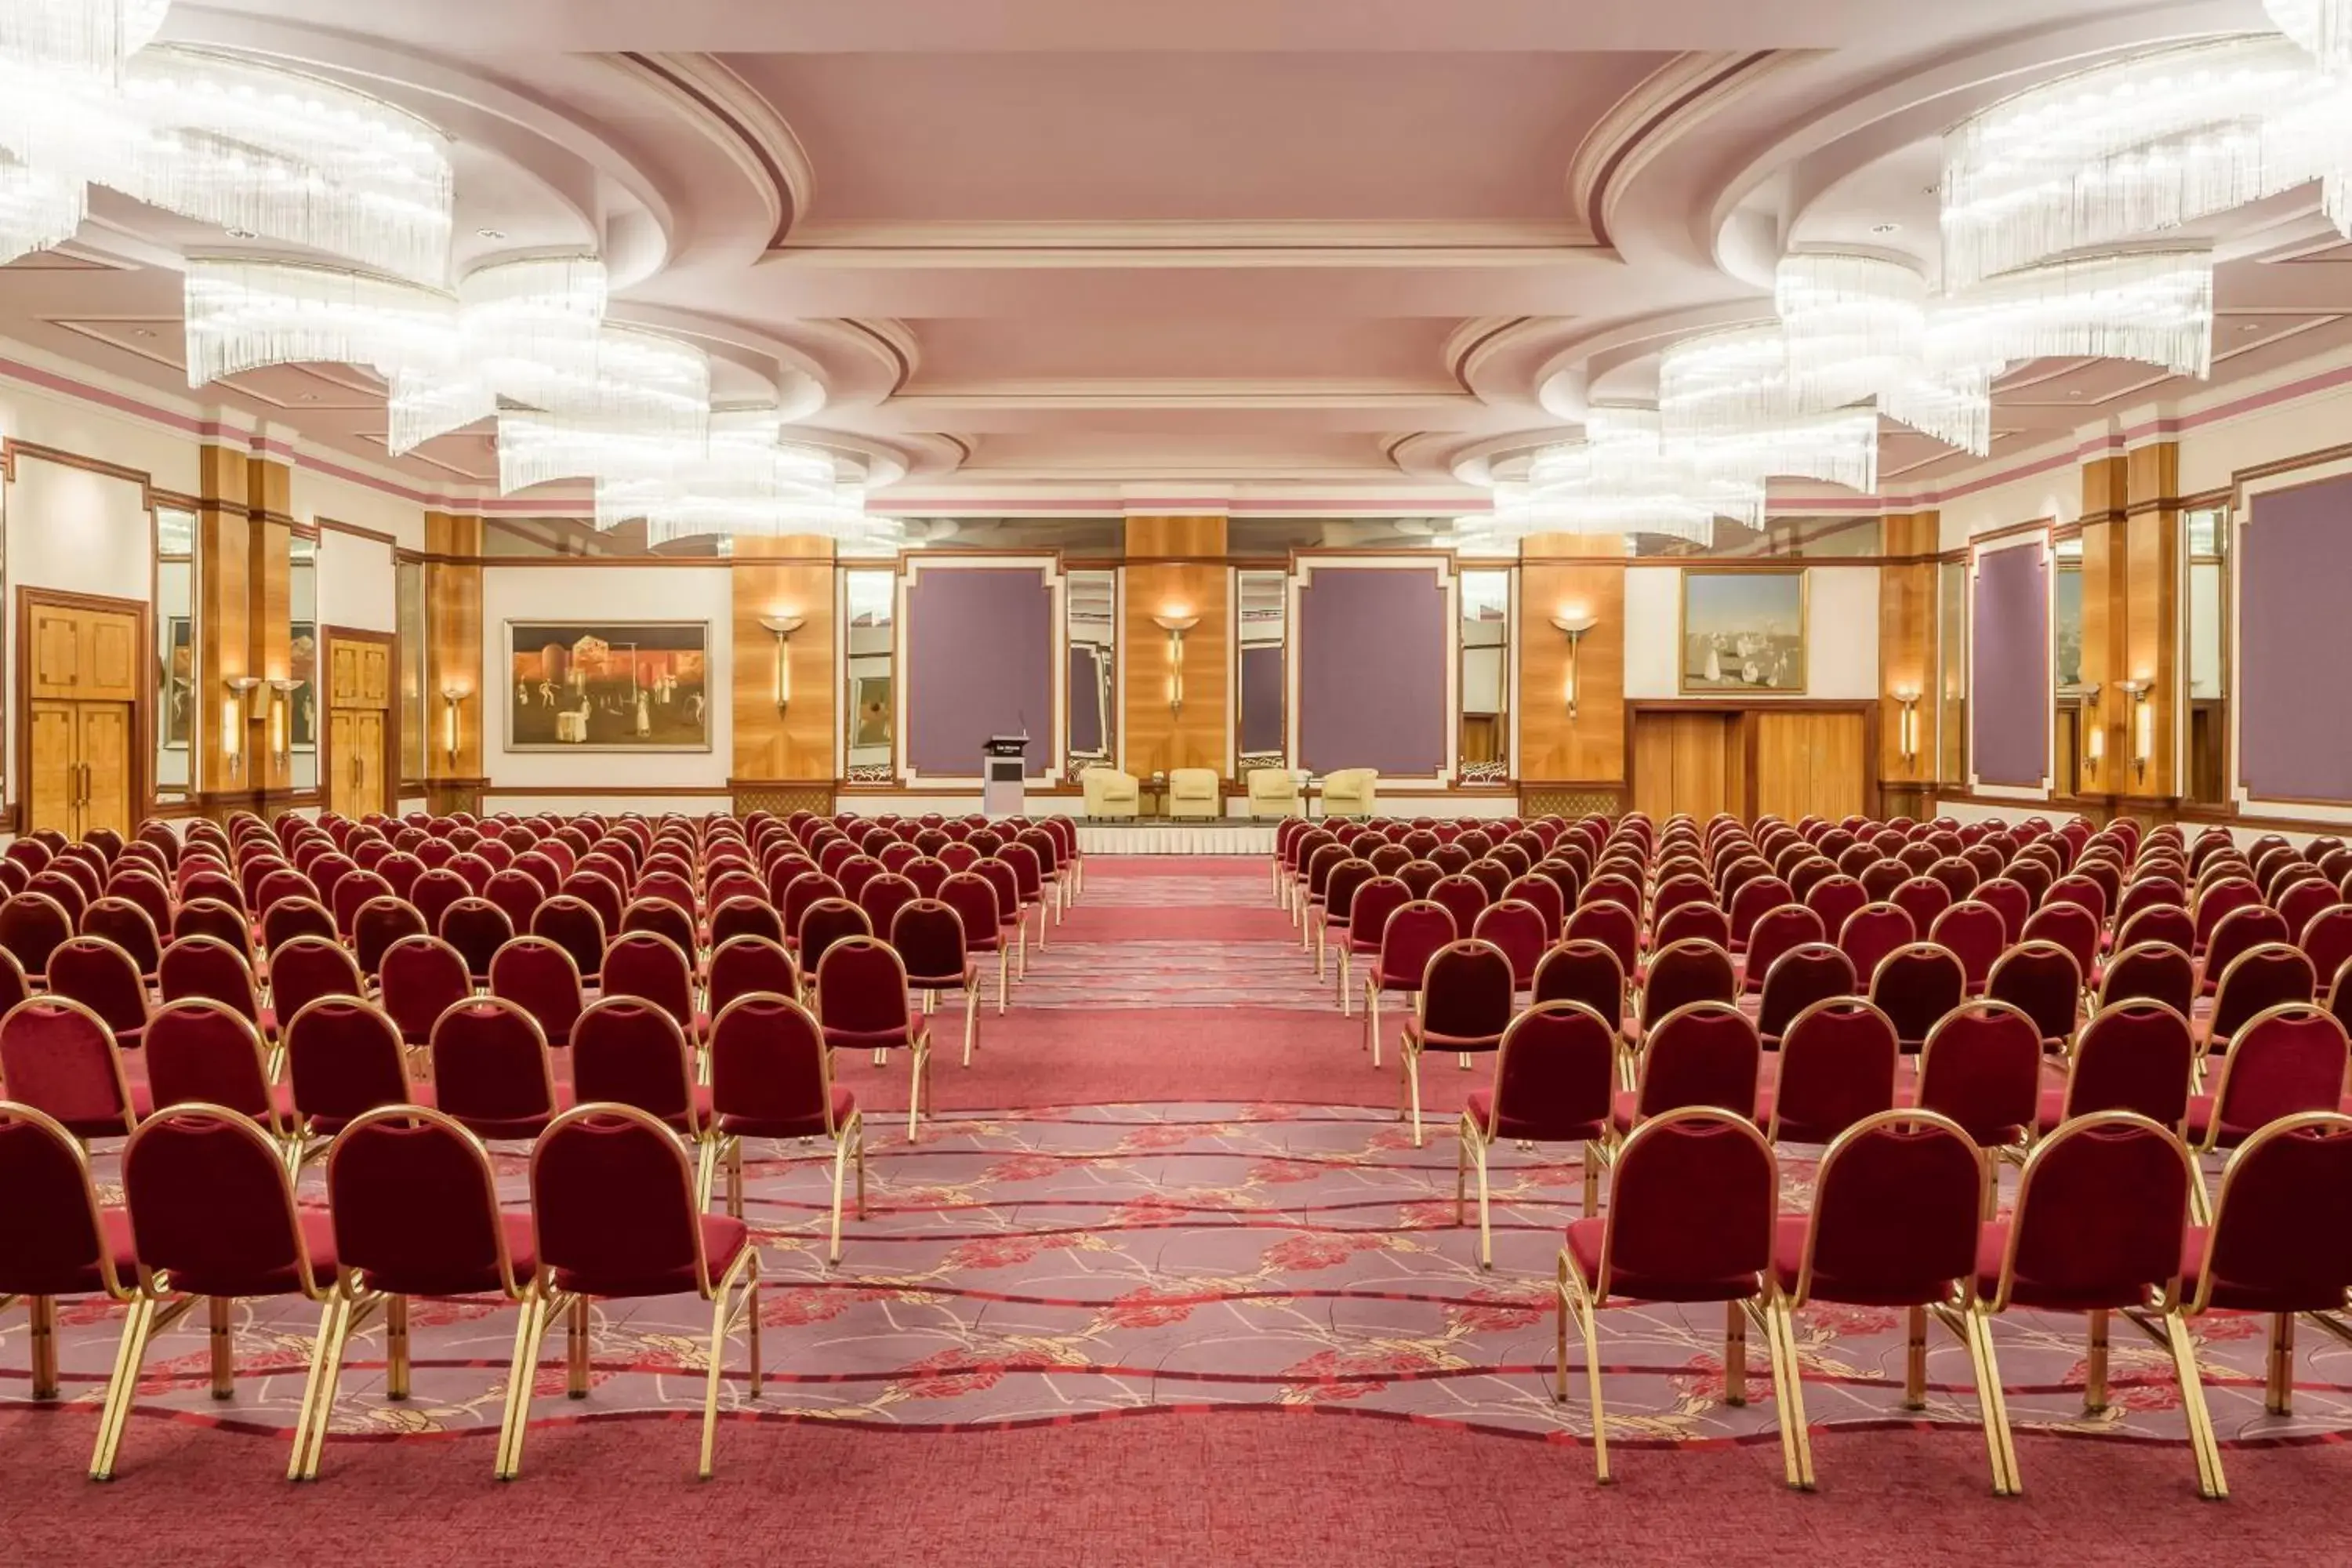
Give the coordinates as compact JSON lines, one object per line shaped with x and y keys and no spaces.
{"x":1171,"y":1187}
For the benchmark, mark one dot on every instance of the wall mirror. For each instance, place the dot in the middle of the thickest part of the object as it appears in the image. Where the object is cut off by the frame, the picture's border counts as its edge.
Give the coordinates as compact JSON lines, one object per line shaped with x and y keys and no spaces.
{"x":1263,"y":615}
{"x":294,"y":712}
{"x":1483,"y":755}
{"x":1093,"y":613}
{"x":178,"y":714}
{"x":870,"y":706}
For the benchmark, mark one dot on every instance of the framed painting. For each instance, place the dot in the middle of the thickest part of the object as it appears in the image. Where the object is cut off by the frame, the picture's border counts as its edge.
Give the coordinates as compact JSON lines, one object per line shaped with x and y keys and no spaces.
{"x":303,"y":702}
{"x":176,"y":722}
{"x":608,"y":686}
{"x":874,"y":717}
{"x":1743,"y":632}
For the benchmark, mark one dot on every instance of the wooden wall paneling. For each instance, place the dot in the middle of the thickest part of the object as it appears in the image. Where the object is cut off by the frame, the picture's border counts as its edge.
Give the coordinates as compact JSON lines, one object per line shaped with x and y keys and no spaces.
{"x":362,"y":739}
{"x":224,"y":616}
{"x":1689,"y":761}
{"x":270,"y":587}
{"x":81,"y":756}
{"x":2150,"y":611}
{"x":1907,"y":645}
{"x":779,"y":578}
{"x":1809,"y":764}
{"x":1164,"y":574}
{"x":2105,"y":496}
{"x":1591,"y":747}
{"x":50,"y":789}
{"x":455,"y":651}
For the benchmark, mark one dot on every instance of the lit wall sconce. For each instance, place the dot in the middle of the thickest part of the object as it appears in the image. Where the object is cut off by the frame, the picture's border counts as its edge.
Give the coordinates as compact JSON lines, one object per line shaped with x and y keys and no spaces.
{"x":781,"y":625}
{"x":451,"y":695}
{"x":2095,"y":730}
{"x":1906,"y":735}
{"x":1575,"y":621}
{"x":2143,"y":722}
{"x":1175,"y":622}
{"x":281,"y":701}
{"x":234,"y":713}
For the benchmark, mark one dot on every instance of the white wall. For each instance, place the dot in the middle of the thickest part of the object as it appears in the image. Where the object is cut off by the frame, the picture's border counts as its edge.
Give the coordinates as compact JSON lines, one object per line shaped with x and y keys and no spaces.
{"x":315,"y":495}
{"x":2211,"y":454}
{"x":356,"y":583}
{"x":2056,"y":493}
{"x":1841,"y":633}
{"x":591,"y":593}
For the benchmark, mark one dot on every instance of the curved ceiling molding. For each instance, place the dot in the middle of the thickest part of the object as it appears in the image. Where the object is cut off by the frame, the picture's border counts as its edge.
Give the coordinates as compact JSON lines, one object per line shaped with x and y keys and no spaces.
{"x":740,"y":124}
{"x":1669,"y":101}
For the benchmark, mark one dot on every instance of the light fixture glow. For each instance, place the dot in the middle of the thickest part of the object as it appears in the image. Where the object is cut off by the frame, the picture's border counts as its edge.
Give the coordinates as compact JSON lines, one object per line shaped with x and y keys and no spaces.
{"x":37,"y":210}
{"x":243,"y":314}
{"x":1176,"y":620}
{"x":88,"y":38}
{"x":1574,"y":621}
{"x":781,"y":625}
{"x":2154,"y":306}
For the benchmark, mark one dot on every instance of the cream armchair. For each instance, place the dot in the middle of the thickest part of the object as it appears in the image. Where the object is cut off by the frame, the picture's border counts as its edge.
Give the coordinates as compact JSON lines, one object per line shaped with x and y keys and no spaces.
{"x":1194,"y":792}
{"x":1273,"y":792}
{"x":1349,"y":792}
{"x":1110,"y":792}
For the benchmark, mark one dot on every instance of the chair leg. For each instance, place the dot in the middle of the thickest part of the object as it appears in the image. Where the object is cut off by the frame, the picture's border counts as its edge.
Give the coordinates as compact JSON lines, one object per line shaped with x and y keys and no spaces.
{"x":1347,"y":1009}
{"x":1796,"y":1435}
{"x":2200,"y":1204}
{"x":1041,"y":923}
{"x":1021,"y":961}
{"x":521,"y":1375}
{"x":917,"y":1079}
{"x":2095,"y":1378}
{"x":1976,"y":1335}
{"x":331,"y":1371}
{"x":2279,"y":1393}
{"x":706,"y":1170}
{"x":970,"y":1021}
{"x":1586,"y":1313}
{"x":2211,"y":1483}
{"x":1320,"y":932}
{"x":299,"y":1464}
{"x":857,"y":1123}
{"x":840,"y":1169}
{"x":1003,"y":958}
{"x":1409,"y":1061}
{"x":1915,"y":1362}
{"x":396,"y":1347}
{"x":1476,"y":1145}
{"x":1591,"y":1162}
{"x":1734,"y":1354}
{"x":131,"y":1356}
{"x":745,"y":1274}
{"x":41,"y":1313}
{"x":221,"y":1310}
{"x":575,"y":1350}
{"x":734,"y":1178}
{"x":1372,"y":1020}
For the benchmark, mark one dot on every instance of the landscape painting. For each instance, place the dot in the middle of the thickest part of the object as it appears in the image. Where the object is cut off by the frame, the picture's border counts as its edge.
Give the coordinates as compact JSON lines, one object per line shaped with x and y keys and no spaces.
{"x":608,"y":686}
{"x":1743,"y":631}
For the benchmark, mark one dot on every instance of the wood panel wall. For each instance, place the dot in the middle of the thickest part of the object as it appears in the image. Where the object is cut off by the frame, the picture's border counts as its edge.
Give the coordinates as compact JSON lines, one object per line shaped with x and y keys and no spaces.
{"x":2150,"y":611}
{"x":1690,"y":762}
{"x":269,"y":586}
{"x":1907,"y":648}
{"x":1809,"y":764}
{"x":1166,"y":573}
{"x":780,"y":577}
{"x":2105,"y":660}
{"x":454,"y":651}
{"x":1553,"y":748}
{"x":224,"y":616}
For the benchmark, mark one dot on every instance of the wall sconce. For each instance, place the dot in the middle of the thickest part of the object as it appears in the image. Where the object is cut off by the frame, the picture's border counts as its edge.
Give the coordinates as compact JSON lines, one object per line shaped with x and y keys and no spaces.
{"x":781,"y":625}
{"x":1575,"y":621}
{"x":281,"y":700}
{"x":235,"y":709}
{"x":1175,"y":623}
{"x":451,"y":695}
{"x":1906,"y":733}
{"x":2095,"y":730}
{"x":2143,"y":722}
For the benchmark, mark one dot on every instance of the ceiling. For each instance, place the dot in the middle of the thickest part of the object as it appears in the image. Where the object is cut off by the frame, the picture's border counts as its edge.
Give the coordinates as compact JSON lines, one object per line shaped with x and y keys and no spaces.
{"x":1049,"y":250}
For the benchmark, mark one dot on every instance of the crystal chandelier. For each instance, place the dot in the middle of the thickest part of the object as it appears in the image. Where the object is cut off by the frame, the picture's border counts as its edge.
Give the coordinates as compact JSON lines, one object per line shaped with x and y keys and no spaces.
{"x":2150,"y":306}
{"x":2138,"y":145}
{"x":2323,"y":28}
{"x":89,"y":37}
{"x":1621,"y":480}
{"x":36,"y":211}
{"x":1854,"y":326}
{"x":1840,"y":448}
{"x":246,"y":312}
{"x":521,"y":324}
{"x":642,"y":408}
{"x":749,"y":480}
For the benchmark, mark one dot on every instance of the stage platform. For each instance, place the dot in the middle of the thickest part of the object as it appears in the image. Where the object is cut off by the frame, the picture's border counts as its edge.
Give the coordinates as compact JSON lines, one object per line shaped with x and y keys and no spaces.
{"x":1164,"y":835}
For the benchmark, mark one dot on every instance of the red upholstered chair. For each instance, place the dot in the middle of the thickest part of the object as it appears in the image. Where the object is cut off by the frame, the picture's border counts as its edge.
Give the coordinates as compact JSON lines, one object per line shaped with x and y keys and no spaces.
{"x":1690,"y":887}
{"x":280,"y":882}
{"x":974,"y":899}
{"x":1684,"y":973}
{"x":2151,"y":970}
{"x":647,"y":964}
{"x":205,"y":966}
{"x":2167,"y":924}
{"x":801,"y":892}
{"x":290,"y":918}
{"x":1692,"y":922}
{"x":2221,"y":897}
{"x":206,"y":879}
{"x":930,"y":938}
{"x":1420,"y":877}
{"x":883,"y":896}
{"x":1915,"y":986}
{"x":574,"y":925}
{"x":744,"y":965}
{"x":1496,"y":877}
{"x":1555,"y":1082}
{"x":1464,"y":1003}
{"x":540,"y":977}
{"x":2040,"y":978}
{"x":1611,"y":924}
{"x":1703,"y":1054}
{"x":435,"y":891}
{"x":1975,"y":934}
{"x":1923,"y":899}
{"x":1409,"y":938}
{"x":665,"y":919}
{"x":517,"y":894}
{"x":1749,"y":905}
{"x":2270,"y":1247}
{"x":476,"y":928}
{"x":1959,"y":877}
{"x":399,"y":871}
{"x":105,"y":979}
{"x":2259,"y":978}
{"x":1811,"y":973}
{"x":770,"y":1077}
{"x":1777,"y":931}
{"x":2098,"y":1227}
{"x":1545,"y":895}
{"x":1693,"y":1212}
{"x":1028,"y":880}
{"x":1982,"y":1068}
{"x":2146,"y":892}
{"x":1873,"y":931}
{"x":144,"y":886}
{"x":1517,"y":929}
{"x":344,"y":1059}
{"x":55,"y":1238}
{"x":2138,"y":1056}
{"x":212,"y":1215}
{"x":421,"y":978}
{"x":822,"y":924}
{"x":862,"y":1004}
{"x":1838,"y":1064}
{"x":1586,"y":973}
{"x":1464,"y":897}
{"x":1894,"y":1223}
{"x":202,"y":1052}
{"x":600,"y":894}
{"x":58,"y":1058}
{"x":2326,"y":939}
{"x":2287,"y":1061}
{"x":1611,"y":888}
{"x":627,"y":1051}
{"x":490,"y":1070}
{"x":13,"y":986}
{"x":308,"y":968}
{"x":614,"y":1214}
{"x":2302,"y":902}
{"x":31,"y":926}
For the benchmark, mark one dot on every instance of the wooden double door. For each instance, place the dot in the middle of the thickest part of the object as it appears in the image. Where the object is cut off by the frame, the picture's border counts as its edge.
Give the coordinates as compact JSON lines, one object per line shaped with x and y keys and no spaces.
{"x":1784,"y":760}
{"x":358,"y":710}
{"x":82,"y":687}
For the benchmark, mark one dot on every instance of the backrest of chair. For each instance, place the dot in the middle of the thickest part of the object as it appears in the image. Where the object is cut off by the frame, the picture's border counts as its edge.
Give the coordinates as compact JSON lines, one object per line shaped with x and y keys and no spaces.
{"x":2268,"y":1234}
{"x":1895,"y":1212}
{"x":1684,"y":973}
{"x":612,"y":1199}
{"x":630,"y":1051}
{"x":421,"y":978}
{"x":2151,"y":970}
{"x":50,"y":1232}
{"x":1975,"y":934}
{"x":2045,"y":980}
{"x":206,"y":966}
{"x":1982,"y":1068}
{"x":824,"y":923}
{"x":1612,"y":925}
{"x":31,"y":926}
{"x":1556,"y":1074}
{"x":200,"y":1052}
{"x":767,"y":1061}
{"x":2259,"y":978}
{"x":1410,"y":938}
{"x":930,"y":937}
{"x":1915,"y":986}
{"x":310,"y":967}
{"x":1584,"y":972}
{"x":58,"y":1057}
{"x":1873,"y":931}
{"x":344,"y":1057}
{"x":94,"y":972}
{"x":1693,"y":1197}
{"x":1702,"y":1054}
{"x":1838,"y":1060}
{"x":1467,"y":991}
{"x":539,"y":976}
{"x":490,"y":1063}
{"x":1807,"y":973}
{"x":861,"y":987}
{"x":647,"y":964}
{"x":2133,"y":1056}
{"x":882,"y":897}
{"x":2290,"y":1058}
{"x":2100,"y":1209}
{"x":211,"y":1204}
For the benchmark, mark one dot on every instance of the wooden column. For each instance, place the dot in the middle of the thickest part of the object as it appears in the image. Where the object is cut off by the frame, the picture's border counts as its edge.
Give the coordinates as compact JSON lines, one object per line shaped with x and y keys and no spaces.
{"x":2150,"y":633}
{"x":1175,"y":565}
{"x":224,"y":635}
{"x":2104,"y":766}
{"x":454,"y":662}
{"x":1565,"y":764}
{"x":785,"y":755}
{"x":268,"y":489}
{"x":1908,"y":649}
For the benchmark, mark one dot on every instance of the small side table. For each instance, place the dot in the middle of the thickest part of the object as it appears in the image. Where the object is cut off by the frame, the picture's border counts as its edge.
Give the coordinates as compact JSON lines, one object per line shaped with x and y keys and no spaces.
{"x":1151,"y":798}
{"x":1310,"y":796}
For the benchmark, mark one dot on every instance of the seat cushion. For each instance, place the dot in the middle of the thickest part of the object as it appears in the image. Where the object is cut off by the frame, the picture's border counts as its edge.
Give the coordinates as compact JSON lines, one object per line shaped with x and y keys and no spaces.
{"x":2244,"y":1296}
{"x":843,"y":1103}
{"x":469,"y":1281}
{"x":327,"y":1126}
{"x":1584,"y":1241}
{"x":317,"y":1235}
{"x":723,"y":1240}
{"x":872,"y":1039}
{"x":1480,"y":1102}
{"x":113,"y":1234}
{"x":1789,"y":1261}
{"x":1993,"y":1240}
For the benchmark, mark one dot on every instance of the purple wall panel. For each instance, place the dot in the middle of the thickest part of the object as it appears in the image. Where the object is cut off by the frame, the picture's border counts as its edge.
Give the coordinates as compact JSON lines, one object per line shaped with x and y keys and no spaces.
{"x":979,"y":662}
{"x":1262,"y":693}
{"x":1085,"y":707}
{"x":1372,"y":648}
{"x":2008,"y":706}
{"x":2294,"y":722}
